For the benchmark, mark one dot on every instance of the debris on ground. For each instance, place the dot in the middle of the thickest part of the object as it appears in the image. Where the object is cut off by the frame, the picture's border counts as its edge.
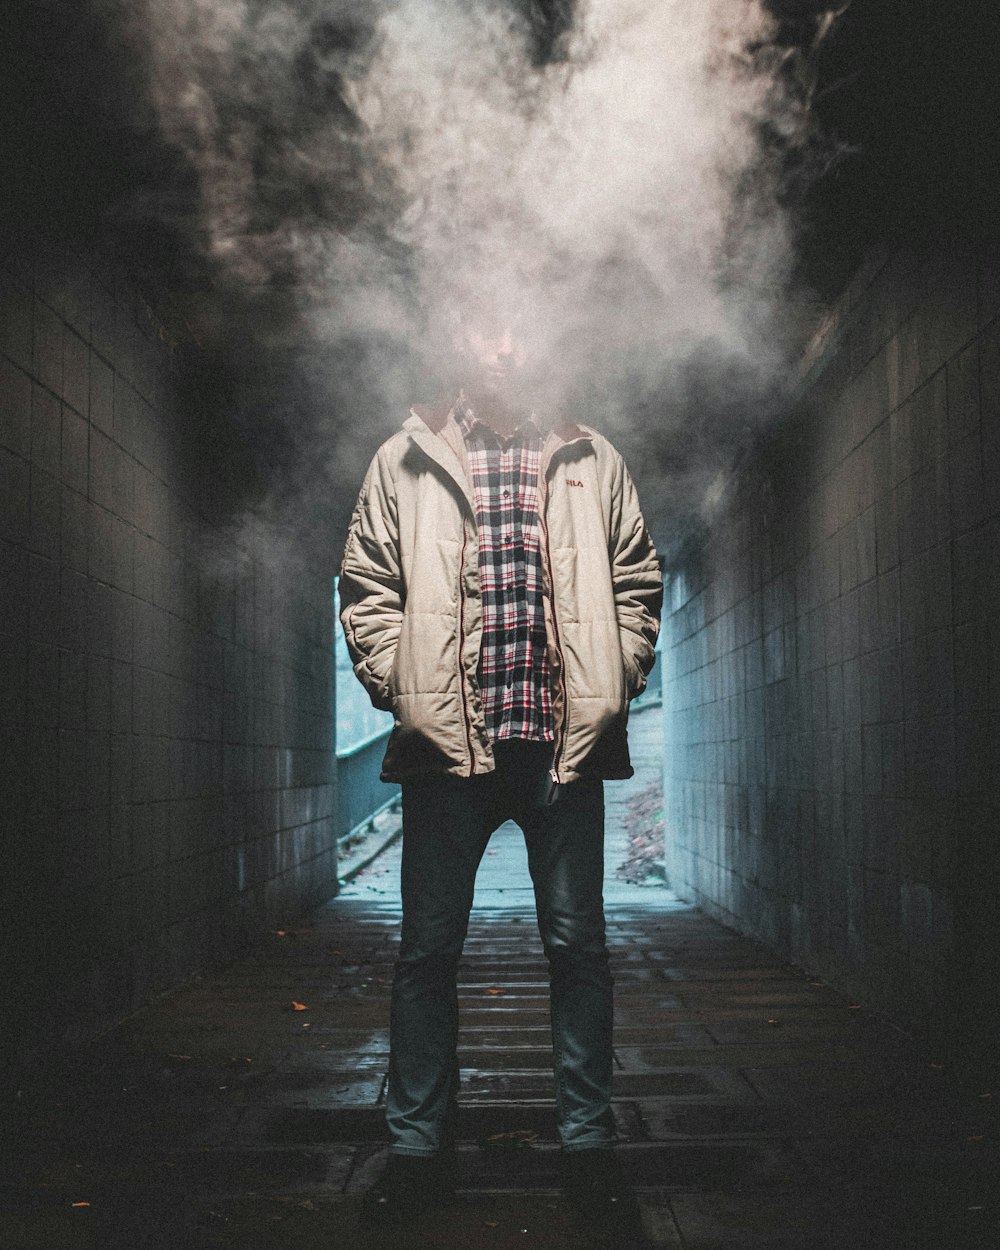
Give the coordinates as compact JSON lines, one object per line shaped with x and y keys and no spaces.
{"x":644,"y":816}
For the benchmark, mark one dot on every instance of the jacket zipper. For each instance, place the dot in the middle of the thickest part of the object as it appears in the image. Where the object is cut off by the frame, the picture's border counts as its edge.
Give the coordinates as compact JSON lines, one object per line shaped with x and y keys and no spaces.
{"x":461,"y":652}
{"x":557,"y":750}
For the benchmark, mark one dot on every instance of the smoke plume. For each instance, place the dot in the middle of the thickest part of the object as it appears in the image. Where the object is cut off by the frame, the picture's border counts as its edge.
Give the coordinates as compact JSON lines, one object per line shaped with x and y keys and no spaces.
{"x":369,"y":175}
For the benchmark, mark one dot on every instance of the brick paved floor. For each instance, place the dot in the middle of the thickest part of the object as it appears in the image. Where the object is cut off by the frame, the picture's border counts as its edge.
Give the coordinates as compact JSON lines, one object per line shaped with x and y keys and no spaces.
{"x":756,"y":1107}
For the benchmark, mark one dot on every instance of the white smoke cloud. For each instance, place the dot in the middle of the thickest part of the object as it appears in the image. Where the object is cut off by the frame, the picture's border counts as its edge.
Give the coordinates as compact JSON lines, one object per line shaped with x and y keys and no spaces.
{"x":392,"y":163}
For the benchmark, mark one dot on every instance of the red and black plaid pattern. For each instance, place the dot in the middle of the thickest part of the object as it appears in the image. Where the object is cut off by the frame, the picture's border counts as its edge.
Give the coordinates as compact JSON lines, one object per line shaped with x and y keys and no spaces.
{"x":513,"y":663}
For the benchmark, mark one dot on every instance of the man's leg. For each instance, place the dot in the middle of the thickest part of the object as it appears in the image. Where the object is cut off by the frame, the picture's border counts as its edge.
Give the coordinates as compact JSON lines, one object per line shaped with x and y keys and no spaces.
{"x":566,"y":856}
{"x":565,"y":841}
{"x":446,"y":826}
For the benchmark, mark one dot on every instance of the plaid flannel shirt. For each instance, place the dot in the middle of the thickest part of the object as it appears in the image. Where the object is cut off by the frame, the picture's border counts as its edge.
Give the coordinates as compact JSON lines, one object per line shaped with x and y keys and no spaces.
{"x":513,"y":661}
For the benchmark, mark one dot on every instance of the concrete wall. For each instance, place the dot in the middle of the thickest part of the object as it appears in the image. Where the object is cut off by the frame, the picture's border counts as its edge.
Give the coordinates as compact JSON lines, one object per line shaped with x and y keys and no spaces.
{"x":166,"y":692}
{"x":832,"y":687}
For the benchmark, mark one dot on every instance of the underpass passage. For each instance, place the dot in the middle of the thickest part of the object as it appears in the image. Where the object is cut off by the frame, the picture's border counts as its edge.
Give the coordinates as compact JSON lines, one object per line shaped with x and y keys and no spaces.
{"x":170,"y":798}
{"x":755,"y":1105}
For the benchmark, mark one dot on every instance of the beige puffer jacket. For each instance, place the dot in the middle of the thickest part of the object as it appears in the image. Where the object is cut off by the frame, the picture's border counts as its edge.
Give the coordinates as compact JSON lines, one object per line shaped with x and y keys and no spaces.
{"x":411,"y":608}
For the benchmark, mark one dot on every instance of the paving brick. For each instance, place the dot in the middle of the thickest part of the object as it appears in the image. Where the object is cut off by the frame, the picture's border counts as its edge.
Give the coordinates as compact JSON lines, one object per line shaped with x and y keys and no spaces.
{"x":46,"y":428}
{"x":47,"y":352}
{"x":72,"y":769}
{"x":43,"y":590}
{"x":74,"y":453}
{"x":725,"y":1221}
{"x":75,"y":390}
{"x":964,"y":411}
{"x":72,"y":690}
{"x":15,"y":321}
{"x":13,"y":681}
{"x":44,"y":514}
{"x":15,"y":409}
{"x":122,"y":568}
{"x":101,"y":400}
{"x":14,"y":497}
{"x":100,"y":553}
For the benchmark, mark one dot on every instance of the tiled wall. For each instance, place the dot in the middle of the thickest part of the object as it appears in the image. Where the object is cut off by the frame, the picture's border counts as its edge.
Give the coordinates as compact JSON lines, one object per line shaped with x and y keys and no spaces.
{"x":832,"y":688}
{"x":166,"y":689}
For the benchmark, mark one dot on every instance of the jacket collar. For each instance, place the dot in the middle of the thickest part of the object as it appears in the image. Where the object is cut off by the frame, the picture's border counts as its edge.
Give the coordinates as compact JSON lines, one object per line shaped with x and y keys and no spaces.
{"x":557,"y":438}
{"x":435,"y":428}
{"x":438,"y":437}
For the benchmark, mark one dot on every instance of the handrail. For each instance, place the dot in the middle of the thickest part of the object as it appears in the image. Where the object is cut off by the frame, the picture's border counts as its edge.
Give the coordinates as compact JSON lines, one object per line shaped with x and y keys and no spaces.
{"x":364,"y":743}
{"x":361,"y":793}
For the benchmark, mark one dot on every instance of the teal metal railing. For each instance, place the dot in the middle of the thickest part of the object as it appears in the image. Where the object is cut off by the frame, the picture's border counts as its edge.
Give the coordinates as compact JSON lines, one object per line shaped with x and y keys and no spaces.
{"x":361,"y":795}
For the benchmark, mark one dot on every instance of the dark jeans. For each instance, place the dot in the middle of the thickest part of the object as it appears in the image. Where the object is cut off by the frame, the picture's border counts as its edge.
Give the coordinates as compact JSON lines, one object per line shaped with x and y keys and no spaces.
{"x":447,"y":822}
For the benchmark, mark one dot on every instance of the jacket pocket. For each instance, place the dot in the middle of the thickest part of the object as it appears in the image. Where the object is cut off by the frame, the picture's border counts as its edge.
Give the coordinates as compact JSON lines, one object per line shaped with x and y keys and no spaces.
{"x":635,"y":681}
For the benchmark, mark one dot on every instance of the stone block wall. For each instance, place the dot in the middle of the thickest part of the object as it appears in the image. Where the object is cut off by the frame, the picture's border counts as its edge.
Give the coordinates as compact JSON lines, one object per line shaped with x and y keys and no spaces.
{"x":166,"y":685}
{"x":832,"y":682}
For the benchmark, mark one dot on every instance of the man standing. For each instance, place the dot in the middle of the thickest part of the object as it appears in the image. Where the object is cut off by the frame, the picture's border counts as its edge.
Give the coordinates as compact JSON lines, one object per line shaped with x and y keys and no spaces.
{"x":500,"y":595}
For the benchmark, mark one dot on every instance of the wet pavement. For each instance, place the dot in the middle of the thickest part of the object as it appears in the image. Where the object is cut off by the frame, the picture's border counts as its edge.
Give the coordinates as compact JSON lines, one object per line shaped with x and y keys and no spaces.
{"x":756,"y":1107}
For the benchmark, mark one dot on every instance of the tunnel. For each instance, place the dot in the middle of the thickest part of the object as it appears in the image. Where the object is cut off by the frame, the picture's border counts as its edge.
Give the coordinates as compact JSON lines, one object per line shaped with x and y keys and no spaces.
{"x":200,"y":861}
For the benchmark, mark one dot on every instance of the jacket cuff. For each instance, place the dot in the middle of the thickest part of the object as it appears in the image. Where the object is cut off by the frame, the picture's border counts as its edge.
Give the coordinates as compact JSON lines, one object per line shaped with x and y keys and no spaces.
{"x":378,"y":687}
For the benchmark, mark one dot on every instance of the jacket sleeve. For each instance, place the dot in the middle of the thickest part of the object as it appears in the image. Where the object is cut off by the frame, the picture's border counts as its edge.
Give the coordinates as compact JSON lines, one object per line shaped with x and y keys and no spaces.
{"x":371,"y":585}
{"x":636,"y":580}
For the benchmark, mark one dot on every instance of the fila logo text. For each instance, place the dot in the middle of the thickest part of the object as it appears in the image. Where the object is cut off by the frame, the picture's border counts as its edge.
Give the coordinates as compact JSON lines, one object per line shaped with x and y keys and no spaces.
{"x":572,"y":482}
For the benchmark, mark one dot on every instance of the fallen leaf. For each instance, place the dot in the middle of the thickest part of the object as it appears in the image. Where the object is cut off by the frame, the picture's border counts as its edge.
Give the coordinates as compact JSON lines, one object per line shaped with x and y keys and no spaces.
{"x":170,"y":1056}
{"x":298,"y":1006}
{"x":853,"y":1006}
{"x":774,"y":1021}
{"x":307,"y":1026}
{"x":281,"y":933}
{"x":308,"y":1205}
{"x":492,"y":1223}
{"x":975,"y":1137}
{"x":80,"y":1204}
{"x":496,"y":991}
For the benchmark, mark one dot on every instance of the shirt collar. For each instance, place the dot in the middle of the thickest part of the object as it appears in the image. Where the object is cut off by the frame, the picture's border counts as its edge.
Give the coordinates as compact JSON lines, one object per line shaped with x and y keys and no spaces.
{"x":470,"y":425}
